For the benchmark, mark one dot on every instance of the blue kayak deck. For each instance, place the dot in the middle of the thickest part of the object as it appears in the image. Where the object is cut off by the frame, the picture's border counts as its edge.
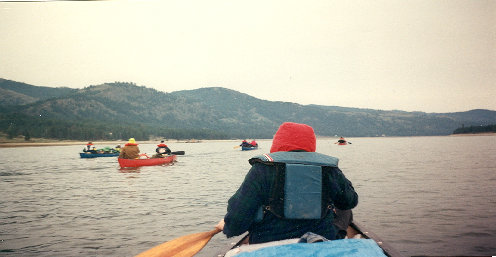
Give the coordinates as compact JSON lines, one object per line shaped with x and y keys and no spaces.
{"x":94,"y":155}
{"x":244,"y":148}
{"x":361,"y":242}
{"x":345,"y":247}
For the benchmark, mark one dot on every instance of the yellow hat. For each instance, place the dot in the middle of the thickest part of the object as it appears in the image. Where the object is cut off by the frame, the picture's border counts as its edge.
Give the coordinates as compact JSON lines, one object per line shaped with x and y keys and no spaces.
{"x":132,"y":141}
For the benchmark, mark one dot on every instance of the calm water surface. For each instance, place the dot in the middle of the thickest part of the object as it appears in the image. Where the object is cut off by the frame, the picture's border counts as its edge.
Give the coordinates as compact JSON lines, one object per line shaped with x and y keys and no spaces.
{"x":424,"y":195}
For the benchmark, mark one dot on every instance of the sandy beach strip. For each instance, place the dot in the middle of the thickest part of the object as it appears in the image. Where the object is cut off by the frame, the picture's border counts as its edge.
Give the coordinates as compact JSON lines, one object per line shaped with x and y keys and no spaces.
{"x":58,"y":143}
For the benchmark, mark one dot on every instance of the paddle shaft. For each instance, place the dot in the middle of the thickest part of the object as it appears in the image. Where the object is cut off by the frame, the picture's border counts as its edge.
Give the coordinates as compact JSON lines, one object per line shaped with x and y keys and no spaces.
{"x":185,"y":246}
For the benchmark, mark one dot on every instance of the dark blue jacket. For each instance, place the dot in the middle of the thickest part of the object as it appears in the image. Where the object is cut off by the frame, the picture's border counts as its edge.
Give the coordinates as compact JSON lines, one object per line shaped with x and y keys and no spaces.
{"x":255,"y":192}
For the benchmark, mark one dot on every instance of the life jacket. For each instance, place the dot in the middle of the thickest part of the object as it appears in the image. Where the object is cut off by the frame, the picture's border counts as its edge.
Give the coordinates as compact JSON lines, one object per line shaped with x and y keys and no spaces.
{"x":300,"y":188}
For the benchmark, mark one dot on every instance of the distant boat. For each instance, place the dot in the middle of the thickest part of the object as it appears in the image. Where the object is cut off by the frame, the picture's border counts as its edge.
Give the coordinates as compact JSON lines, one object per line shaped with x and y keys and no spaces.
{"x":193,"y":141}
{"x":94,"y":155}
{"x":248,"y":148}
{"x":342,"y":141}
{"x":146,"y":162}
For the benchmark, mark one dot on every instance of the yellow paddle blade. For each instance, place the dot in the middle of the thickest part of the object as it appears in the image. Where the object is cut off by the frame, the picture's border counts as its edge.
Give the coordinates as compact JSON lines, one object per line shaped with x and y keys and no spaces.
{"x":185,"y":246}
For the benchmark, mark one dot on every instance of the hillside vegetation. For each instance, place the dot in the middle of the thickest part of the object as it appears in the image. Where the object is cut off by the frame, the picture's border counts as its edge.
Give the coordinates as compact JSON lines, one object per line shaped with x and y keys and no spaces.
{"x":476,"y":129}
{"x":121,"y":110}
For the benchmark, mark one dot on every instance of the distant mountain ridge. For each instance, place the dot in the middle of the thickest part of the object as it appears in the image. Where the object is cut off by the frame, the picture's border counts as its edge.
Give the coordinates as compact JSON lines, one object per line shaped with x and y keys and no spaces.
{"x":214,"y":112}
{"x":17,"y":93}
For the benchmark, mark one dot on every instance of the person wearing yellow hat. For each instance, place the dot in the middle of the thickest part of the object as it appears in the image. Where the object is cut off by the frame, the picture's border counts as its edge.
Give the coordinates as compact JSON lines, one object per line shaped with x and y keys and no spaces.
{"x":130,"y":150}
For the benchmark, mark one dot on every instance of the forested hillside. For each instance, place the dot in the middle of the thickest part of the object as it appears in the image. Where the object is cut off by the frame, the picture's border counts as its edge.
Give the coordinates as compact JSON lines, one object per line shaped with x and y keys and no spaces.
{"x":17,"y":93}
{"x":476,"y":129}
{"x":121,"y":110}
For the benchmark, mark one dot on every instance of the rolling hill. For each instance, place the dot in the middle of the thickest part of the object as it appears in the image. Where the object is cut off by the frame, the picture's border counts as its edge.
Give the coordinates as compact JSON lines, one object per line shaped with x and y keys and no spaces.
{"x":201,"y":113}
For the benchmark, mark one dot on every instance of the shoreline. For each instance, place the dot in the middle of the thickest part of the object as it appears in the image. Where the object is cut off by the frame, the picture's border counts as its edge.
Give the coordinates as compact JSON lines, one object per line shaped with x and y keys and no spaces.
{"x":56,"y":143}
{"x":44,"y":142}
{"x":475,"y":134}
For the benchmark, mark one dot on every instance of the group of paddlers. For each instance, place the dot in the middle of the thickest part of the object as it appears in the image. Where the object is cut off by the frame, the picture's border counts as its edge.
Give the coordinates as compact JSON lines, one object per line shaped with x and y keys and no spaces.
{"x":130,"y":150}
{"x":291,"y":192}
{"x":245,"y":143}
{"x":91,"y":149}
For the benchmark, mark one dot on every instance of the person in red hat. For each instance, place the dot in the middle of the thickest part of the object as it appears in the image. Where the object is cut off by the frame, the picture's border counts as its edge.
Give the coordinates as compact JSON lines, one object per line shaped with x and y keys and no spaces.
{"x":162,"y":149}
{"x":88,"y":147}
{"x":254,"y":143}
{"x":289,"y":192}
{"x":245,"y":144}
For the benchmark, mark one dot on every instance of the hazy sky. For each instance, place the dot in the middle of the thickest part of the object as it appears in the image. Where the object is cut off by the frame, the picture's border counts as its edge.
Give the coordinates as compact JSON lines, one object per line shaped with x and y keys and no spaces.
{"x":422,"y":55}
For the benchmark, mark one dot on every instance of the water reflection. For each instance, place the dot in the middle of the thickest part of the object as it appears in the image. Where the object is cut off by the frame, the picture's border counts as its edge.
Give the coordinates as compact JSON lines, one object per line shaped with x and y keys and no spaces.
{"x":130,"y":170}
{"x":423,"y":191}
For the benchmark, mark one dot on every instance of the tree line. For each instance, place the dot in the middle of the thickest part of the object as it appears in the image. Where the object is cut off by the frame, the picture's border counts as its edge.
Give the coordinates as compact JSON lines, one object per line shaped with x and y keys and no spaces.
{"x":475,"y":129}
{"x":16,"y":124}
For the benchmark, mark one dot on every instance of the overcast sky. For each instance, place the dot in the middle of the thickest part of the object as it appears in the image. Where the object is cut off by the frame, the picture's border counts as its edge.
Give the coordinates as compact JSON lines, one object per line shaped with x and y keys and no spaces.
{"x":422,"y":55}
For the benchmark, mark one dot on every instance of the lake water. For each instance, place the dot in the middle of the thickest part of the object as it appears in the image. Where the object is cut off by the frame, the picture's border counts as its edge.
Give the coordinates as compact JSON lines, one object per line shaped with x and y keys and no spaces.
{"x":424,"y":195}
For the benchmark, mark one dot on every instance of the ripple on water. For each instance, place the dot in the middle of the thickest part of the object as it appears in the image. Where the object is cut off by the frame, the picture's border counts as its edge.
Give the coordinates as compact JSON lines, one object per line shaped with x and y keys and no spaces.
{"x":410,"y":194}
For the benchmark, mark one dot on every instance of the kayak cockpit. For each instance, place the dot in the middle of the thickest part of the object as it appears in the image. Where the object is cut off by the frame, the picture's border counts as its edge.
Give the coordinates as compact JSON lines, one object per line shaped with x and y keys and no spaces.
{"x":358,"y":242}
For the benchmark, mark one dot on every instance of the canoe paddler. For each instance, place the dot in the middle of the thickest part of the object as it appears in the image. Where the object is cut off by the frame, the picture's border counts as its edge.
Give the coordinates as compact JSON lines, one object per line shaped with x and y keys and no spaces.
{"x":130,"y":150}
{"x":290,"y":191}
{"x":88,"y":147}
{"x":162,"y":149}
{"x":245,"y":144}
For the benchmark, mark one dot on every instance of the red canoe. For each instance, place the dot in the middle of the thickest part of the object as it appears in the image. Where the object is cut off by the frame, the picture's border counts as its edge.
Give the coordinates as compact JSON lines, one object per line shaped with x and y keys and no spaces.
{"x":146,"y":162}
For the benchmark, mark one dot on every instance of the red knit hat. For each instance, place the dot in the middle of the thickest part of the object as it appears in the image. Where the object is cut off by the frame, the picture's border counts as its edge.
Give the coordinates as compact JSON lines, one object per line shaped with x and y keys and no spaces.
{"x":294,"y":136}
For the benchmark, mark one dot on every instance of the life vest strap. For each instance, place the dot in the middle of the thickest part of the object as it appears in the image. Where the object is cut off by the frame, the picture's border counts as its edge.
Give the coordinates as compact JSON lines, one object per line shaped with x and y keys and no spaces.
{"x":299,"y":192}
